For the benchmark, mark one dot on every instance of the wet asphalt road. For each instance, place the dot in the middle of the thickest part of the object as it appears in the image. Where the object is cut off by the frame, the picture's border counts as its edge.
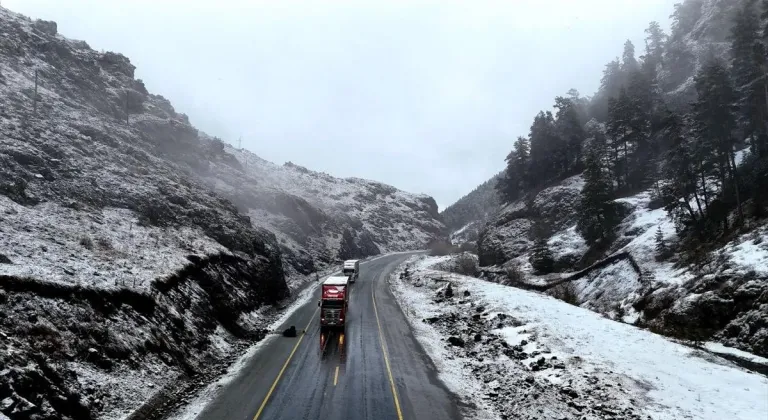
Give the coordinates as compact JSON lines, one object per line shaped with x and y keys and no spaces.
{"x":334,"y":378}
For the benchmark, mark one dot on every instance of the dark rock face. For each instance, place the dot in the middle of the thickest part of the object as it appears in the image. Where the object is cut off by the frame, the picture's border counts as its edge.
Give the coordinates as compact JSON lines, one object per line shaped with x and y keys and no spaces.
{"x":108,"y":329}
{"x":508,"y":234}
{"x":117,"y":62}
{"x":733,"y":310}
{"x":46,"y":26}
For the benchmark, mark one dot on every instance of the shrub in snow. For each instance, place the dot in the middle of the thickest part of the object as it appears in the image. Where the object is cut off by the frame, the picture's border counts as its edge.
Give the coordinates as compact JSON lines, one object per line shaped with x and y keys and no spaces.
{"x":515,"y":273}
{"x":541,"y":258}
{"x":465,"y":264}
{"x":104,"y":243}
{"x":565,"y":292}
{"x":86,"y":242}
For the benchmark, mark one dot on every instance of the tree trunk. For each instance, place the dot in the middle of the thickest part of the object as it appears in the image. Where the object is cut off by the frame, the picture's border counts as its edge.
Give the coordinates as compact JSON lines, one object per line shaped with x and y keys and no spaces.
{"x":735,"y":180}
{"x":626,"y":162}
{"x":762,"y":148}
{"x":704,"y":190}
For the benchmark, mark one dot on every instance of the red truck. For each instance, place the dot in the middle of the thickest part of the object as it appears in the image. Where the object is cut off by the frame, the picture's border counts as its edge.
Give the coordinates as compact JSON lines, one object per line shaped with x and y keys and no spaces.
{"x":333,"y":303}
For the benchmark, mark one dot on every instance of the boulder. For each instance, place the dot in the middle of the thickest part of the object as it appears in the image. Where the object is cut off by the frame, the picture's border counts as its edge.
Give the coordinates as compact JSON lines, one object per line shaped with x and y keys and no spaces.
{"x":290,"y":332}
{"x":46,"y":26}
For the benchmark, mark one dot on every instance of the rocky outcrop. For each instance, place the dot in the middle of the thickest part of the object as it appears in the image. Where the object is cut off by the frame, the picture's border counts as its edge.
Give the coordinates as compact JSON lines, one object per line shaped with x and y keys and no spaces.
{"x":731,"y":309}
{"x":58,"y":332}
{"x":509,"y":234}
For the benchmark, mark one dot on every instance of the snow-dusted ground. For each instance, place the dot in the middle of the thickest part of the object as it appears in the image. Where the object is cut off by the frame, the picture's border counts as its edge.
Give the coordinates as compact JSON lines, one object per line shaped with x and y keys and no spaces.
{"x":104,"y":248}
{"x":644,"y":223}
{"x":663,"y":379}
{"x":567,"y":243}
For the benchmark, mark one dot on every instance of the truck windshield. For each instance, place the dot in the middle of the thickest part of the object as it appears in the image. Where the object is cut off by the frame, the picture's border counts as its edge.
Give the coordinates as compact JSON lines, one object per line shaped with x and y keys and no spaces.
{"x":333,"y":303}
{"x":348,"y":271}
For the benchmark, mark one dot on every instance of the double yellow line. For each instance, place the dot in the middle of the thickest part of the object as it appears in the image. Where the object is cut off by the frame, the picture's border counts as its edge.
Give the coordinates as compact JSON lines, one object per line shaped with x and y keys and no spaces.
{"x":285,"y":365}
{"x":336,"y":375}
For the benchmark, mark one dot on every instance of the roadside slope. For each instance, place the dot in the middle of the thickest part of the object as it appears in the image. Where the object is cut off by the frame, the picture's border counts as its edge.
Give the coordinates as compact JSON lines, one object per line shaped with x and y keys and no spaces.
{"x":513,"y":351}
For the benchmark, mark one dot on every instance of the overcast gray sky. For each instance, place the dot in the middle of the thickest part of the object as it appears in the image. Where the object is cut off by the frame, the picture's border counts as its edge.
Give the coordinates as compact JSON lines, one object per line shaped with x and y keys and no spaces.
{"x":426,"y":96}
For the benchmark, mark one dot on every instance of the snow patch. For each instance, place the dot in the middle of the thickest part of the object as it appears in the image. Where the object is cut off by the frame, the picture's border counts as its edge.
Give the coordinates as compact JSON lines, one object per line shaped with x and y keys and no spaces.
{"x":671,"y":378}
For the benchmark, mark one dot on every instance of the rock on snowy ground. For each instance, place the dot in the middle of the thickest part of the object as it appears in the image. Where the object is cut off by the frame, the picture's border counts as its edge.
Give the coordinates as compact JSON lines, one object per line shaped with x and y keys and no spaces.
{"x":516,"y":354}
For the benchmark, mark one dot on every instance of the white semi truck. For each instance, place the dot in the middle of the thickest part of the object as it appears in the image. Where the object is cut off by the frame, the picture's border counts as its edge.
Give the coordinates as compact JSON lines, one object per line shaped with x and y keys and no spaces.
{"x":351,"y":269}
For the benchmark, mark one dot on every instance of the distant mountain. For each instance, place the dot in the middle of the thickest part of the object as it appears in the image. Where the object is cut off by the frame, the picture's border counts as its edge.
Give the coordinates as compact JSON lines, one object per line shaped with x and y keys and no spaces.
{"x":136,"y":250}
{"x":464,"y":217}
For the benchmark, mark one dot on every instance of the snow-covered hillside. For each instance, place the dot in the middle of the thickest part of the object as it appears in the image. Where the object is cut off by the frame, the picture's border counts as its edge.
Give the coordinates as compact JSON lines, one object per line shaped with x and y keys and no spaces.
{"x":136,"y":250}
{"x":466,"y":216}
{"x":713,"y":286}
{"x":311,"y":212}
{"x":504,"y":350}
{"x":724,"y":298}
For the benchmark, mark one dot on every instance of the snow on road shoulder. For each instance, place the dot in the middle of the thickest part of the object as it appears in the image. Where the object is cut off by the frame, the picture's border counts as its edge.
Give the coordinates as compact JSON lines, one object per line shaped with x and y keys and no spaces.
{"x":529,"y":354}
{"x":198,"y":404}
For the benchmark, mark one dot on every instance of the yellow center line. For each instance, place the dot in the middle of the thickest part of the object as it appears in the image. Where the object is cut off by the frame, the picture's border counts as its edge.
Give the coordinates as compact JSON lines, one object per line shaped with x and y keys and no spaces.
{"x":285,"y":365}
{"x":336,"y":376}
{"x":386,"y":358}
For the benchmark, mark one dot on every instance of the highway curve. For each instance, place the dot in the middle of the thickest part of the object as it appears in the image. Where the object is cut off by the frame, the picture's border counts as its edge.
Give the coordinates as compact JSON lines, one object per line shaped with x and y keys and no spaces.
{"x":314,"y":378}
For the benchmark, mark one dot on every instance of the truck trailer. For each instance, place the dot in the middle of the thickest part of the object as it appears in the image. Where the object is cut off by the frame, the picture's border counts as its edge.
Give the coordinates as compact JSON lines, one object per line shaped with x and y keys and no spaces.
{"x":334,"y":299}
{"x":351,"y":269}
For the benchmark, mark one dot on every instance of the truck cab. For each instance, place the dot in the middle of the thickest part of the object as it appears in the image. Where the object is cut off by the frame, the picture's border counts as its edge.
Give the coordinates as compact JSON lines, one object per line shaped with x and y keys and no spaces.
{"x":351,"y":269}
{"x":333,"y":303}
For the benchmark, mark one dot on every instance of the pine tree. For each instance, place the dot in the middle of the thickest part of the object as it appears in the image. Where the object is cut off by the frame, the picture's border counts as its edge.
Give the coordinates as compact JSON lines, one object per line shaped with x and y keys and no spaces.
{"x":546,"y":149}
{"x":654,"y":49}
{"x":681,"y":178}
{"x":628,"y":61}
{"x":714,"y":123}
{"x":764,"y":17}
{"x":598,"y":214}
{"x":679,"y":60}
{"x":685,"y":16}
{"x":619,"y":131}
{"x":570,"y":129}
{"x":522,"y":162}
{"x":610,"y":85}
{"x":749,"y":75}
{"x":515,"y":179}
{"x":542,"y":260}
{"x":643,"y":105}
